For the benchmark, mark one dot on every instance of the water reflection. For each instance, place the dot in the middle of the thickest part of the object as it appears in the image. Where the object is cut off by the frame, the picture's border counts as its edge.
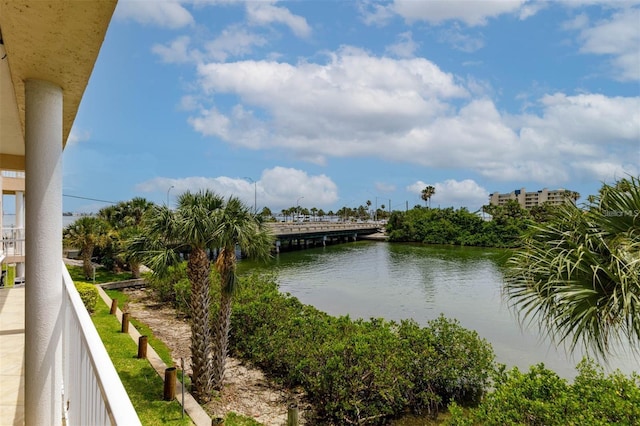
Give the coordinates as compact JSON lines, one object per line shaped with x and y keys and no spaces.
{"x":398,"y":281}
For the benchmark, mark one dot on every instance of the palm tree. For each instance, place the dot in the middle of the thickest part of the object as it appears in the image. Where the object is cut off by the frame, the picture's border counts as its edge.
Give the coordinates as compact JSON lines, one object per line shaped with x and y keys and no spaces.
{"x":86,"y":234}
{"x":235,"y":227}
{"x":579,"y":273}
{"x":189,"y":228}
{"x":125,"y":218}
{"x":427,"y":193}
{"x":203,"y":221}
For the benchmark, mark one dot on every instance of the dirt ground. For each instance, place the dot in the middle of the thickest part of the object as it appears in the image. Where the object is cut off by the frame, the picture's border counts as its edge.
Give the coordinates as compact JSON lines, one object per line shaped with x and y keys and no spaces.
{"x":246,"y":391}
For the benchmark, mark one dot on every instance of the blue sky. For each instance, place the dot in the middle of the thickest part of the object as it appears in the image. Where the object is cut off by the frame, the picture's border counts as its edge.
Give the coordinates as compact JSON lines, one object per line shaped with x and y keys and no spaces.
{"x":333,"y":103}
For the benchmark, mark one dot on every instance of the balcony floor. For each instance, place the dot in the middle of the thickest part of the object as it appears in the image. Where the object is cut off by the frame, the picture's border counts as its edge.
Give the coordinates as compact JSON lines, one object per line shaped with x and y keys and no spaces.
{"x":12,"y":356}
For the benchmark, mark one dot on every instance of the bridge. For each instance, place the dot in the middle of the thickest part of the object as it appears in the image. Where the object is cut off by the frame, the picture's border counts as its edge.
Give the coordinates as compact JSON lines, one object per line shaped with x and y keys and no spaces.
{"x":300,"y":235}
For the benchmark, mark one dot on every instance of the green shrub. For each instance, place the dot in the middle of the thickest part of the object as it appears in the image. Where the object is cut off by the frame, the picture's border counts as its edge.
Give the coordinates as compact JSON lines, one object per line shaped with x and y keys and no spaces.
{"x":172,"y":287}
{"x":459,"y":227}
{"x":540,"y":397}
{"x":88,"y":294}
{"x":356,"y":371}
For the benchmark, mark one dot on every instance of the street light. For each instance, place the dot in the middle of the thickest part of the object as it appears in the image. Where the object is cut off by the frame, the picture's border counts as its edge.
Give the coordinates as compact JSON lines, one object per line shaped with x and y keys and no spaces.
{"x":255,"y":194}
{"x":298,"y":206}
{"x":168,"y":194}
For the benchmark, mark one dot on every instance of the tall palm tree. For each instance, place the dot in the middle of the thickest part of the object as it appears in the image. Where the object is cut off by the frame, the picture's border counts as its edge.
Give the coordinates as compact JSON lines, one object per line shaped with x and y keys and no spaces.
{"x":191,"y":228}
{"x":426,"y":194}
{"x":86,"y":234}
{"x":235,"y":227}
{"x":199,"y":222}
{"x":579,"y":273}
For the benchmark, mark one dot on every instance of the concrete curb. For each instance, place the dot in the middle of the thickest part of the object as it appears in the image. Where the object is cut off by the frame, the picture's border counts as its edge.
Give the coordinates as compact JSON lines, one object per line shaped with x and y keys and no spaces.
{"x":191,"y":406}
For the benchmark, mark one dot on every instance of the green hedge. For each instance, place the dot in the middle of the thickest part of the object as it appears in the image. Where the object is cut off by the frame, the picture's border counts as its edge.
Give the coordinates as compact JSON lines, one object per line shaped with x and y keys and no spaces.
{"x":358,"y":371}
{"x":88,"y":294}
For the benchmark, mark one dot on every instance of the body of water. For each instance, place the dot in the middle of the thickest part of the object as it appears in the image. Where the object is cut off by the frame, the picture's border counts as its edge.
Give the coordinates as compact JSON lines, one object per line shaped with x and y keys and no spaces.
{"x":398,"y":281}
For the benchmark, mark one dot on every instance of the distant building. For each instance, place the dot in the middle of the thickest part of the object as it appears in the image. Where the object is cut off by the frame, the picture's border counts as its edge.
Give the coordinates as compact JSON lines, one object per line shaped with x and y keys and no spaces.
{"x":530,"y":199}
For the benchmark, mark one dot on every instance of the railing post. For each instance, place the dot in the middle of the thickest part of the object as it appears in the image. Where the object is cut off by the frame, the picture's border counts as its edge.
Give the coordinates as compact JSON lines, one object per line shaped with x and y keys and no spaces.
{"x":125,"y":322}
{"x":170,"y":375}
{"x":142,"y":346}
{"x":114,"y":306}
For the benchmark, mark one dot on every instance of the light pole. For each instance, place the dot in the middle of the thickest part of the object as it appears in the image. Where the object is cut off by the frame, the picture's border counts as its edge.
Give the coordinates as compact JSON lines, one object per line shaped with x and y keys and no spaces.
{"x":298,"y":206}
{"x":255,"y":194}
{"x":168,"y":190}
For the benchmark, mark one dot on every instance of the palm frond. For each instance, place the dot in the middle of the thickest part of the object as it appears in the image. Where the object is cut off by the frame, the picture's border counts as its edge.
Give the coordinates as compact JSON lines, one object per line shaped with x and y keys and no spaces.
{"x":578,"y":276}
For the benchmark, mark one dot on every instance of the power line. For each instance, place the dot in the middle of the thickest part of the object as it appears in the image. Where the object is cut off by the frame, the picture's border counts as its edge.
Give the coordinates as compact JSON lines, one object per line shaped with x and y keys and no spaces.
{"x":90,"y":199}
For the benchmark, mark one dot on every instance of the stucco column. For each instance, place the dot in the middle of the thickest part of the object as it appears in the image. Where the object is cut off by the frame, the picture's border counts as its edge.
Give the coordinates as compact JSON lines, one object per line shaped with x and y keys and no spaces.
{"x":20,"y":226}
{"x":43,"y":275}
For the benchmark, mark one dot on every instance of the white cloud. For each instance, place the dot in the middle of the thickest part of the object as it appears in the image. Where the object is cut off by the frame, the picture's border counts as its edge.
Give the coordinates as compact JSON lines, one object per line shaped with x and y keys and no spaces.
{"x":314,"y":105}
{"x":610,"y":170}
{"x":265,"y":13}
{"x":166,"y":13}
{"x":472,"y":13}
{"x":212,"y":123}
{"x":233,"y":41}
{"x":277,"y":188}
{"x":461,"y":41}
{"x":410,"y":111}
{"x":453,"y":193}
{"x":189,"y":103}
{"x":77,"y":135}
{"x":373,"y":13}
{"x":177,"y":51}
{"x":617,"y":37}
{"x":405,"y":47}
{"x":578,"y":22}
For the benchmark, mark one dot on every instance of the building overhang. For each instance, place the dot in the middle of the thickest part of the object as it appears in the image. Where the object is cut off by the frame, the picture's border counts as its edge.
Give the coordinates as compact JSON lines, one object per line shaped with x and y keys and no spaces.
{"x":51,"y":40}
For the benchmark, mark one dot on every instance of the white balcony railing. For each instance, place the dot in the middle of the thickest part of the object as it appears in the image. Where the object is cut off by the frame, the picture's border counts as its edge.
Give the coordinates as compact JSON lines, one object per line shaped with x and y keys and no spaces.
{"x":93,"y":393}
{"x":13,"y":241}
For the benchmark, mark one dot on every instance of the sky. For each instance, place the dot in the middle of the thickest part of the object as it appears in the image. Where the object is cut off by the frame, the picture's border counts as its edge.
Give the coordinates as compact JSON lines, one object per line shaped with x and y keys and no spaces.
{"x":332,"y":103}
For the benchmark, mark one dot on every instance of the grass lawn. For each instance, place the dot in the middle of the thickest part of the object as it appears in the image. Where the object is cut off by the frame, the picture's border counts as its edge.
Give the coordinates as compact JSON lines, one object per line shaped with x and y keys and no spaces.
{"x":143,"y":384}
{"x":102,"y":275}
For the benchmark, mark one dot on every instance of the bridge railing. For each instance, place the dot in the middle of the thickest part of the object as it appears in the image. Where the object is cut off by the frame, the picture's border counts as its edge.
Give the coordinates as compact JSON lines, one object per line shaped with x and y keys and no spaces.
{"x":285,"y":228}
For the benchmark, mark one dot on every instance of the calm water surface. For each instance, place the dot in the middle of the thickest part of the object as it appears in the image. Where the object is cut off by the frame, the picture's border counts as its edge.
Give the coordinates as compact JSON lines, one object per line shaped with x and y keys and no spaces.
{"x":398,"y":281}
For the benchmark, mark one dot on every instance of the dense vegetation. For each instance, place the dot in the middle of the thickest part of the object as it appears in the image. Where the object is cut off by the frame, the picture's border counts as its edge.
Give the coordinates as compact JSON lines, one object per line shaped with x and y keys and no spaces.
{"x":540,"y":397}
{"x":352,"y":370}
{"x":461,"y":227}
{"x":370,"y":371}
